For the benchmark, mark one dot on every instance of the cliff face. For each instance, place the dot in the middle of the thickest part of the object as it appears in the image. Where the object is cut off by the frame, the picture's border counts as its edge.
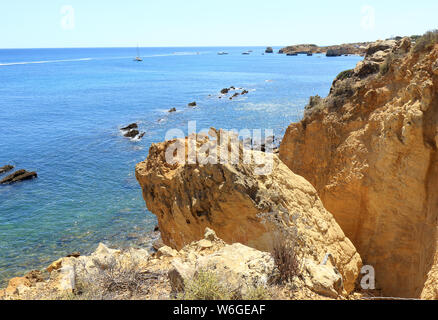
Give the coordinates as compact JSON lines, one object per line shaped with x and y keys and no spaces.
{"x":370,"y":150}
{"x":230,"y":198}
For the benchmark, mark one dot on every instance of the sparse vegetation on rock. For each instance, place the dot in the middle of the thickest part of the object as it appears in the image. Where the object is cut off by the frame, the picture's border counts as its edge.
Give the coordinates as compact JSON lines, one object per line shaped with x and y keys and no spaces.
{"x":426,"y":42}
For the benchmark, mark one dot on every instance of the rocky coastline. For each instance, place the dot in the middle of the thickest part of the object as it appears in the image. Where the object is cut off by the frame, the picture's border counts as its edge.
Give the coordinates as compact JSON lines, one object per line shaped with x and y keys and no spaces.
{"x":331,"y":51}
{"x":354,"y":185}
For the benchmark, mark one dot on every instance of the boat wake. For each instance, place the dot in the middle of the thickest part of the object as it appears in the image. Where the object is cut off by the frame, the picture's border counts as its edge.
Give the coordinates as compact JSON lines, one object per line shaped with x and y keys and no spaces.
{"x":45,"y":61}
{"x":106,"y":58}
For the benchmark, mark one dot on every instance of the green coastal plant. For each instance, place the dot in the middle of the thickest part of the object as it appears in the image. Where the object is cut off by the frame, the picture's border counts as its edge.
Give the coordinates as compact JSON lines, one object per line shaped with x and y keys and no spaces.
{"x":204,"y":286}
{"x":259,"y":293}
{"x":345,"y":75}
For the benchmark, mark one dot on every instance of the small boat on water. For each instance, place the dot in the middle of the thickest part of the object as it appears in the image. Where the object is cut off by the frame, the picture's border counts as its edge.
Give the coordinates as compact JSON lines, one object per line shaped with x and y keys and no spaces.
{"x":138,"y":58}
{"x":222,"y":53}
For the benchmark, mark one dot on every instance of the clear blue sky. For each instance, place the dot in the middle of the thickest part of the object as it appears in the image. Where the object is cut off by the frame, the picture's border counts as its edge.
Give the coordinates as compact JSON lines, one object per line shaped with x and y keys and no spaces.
{"x":99,"y":23}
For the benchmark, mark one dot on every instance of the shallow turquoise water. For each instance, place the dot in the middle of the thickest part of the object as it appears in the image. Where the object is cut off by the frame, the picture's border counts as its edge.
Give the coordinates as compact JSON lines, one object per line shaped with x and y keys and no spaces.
{"x":61,"y":117}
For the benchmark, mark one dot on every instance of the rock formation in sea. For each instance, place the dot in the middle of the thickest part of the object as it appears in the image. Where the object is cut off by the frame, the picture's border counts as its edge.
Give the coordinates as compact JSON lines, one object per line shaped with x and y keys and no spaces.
{"x":371,"y":151}
{"x":6,"y":168}
{"x":18,"y":176}
{"x":239,"y":201}
{"x":131,"y":131}
{"x":130,"y":127}
{"x":335,"y":50}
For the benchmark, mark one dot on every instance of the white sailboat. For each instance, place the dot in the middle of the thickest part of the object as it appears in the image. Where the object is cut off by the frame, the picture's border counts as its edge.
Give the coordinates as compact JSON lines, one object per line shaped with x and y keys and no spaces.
{"x":138,"y":58}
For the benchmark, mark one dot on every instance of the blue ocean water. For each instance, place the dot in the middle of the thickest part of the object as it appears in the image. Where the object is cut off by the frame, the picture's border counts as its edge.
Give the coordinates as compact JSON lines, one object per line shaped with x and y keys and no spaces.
{"x":60,"y":115}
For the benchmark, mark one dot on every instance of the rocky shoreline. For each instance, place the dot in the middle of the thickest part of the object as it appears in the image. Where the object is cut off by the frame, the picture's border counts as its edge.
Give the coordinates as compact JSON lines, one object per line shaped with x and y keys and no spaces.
{"x":331,"y":51}
{"x":354,"y":186}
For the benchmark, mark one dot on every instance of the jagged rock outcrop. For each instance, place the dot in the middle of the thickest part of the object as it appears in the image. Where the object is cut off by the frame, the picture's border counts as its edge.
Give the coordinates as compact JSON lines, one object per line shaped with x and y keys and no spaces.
{"x":71,"y":275}
{"x":136,"y":274}
{"x":430,"y":290}
{"x":370,"y":150}
{"x":239,"y":201}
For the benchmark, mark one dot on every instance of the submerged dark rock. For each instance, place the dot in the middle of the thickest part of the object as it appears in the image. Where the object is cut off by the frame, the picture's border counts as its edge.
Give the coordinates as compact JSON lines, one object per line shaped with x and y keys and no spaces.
{"x":17,"y":176}
{"x":234,"y":95}
{"x":6,"y":168}
{"x":135,"y":134}
{"x":74,"y":255}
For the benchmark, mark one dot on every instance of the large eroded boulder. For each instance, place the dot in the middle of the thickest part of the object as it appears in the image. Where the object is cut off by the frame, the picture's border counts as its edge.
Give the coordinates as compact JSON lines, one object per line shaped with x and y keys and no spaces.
{"x":240,"y":201}
{"x":237,"y":267}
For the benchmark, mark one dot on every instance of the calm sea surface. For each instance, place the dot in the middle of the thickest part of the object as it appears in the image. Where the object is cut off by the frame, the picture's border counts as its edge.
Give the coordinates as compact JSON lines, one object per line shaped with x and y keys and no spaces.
{"x":60,"y":115}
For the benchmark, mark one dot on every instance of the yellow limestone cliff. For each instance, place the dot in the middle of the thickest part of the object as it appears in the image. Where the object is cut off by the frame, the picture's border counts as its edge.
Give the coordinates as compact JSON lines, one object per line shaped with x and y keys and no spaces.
{"x":232,"y":198}
{"x":370,"y":150}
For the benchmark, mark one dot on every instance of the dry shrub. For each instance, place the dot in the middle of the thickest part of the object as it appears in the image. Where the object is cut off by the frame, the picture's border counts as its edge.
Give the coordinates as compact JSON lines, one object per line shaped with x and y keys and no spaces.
{"x":285,"y":258}
{"x":284,"y":246}
{"x":114,"y":281}
{"x":427,"y":41}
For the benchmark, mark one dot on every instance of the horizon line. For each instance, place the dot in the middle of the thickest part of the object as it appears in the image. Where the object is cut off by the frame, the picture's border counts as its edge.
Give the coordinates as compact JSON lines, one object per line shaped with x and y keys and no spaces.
{"x":188,"y":46}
